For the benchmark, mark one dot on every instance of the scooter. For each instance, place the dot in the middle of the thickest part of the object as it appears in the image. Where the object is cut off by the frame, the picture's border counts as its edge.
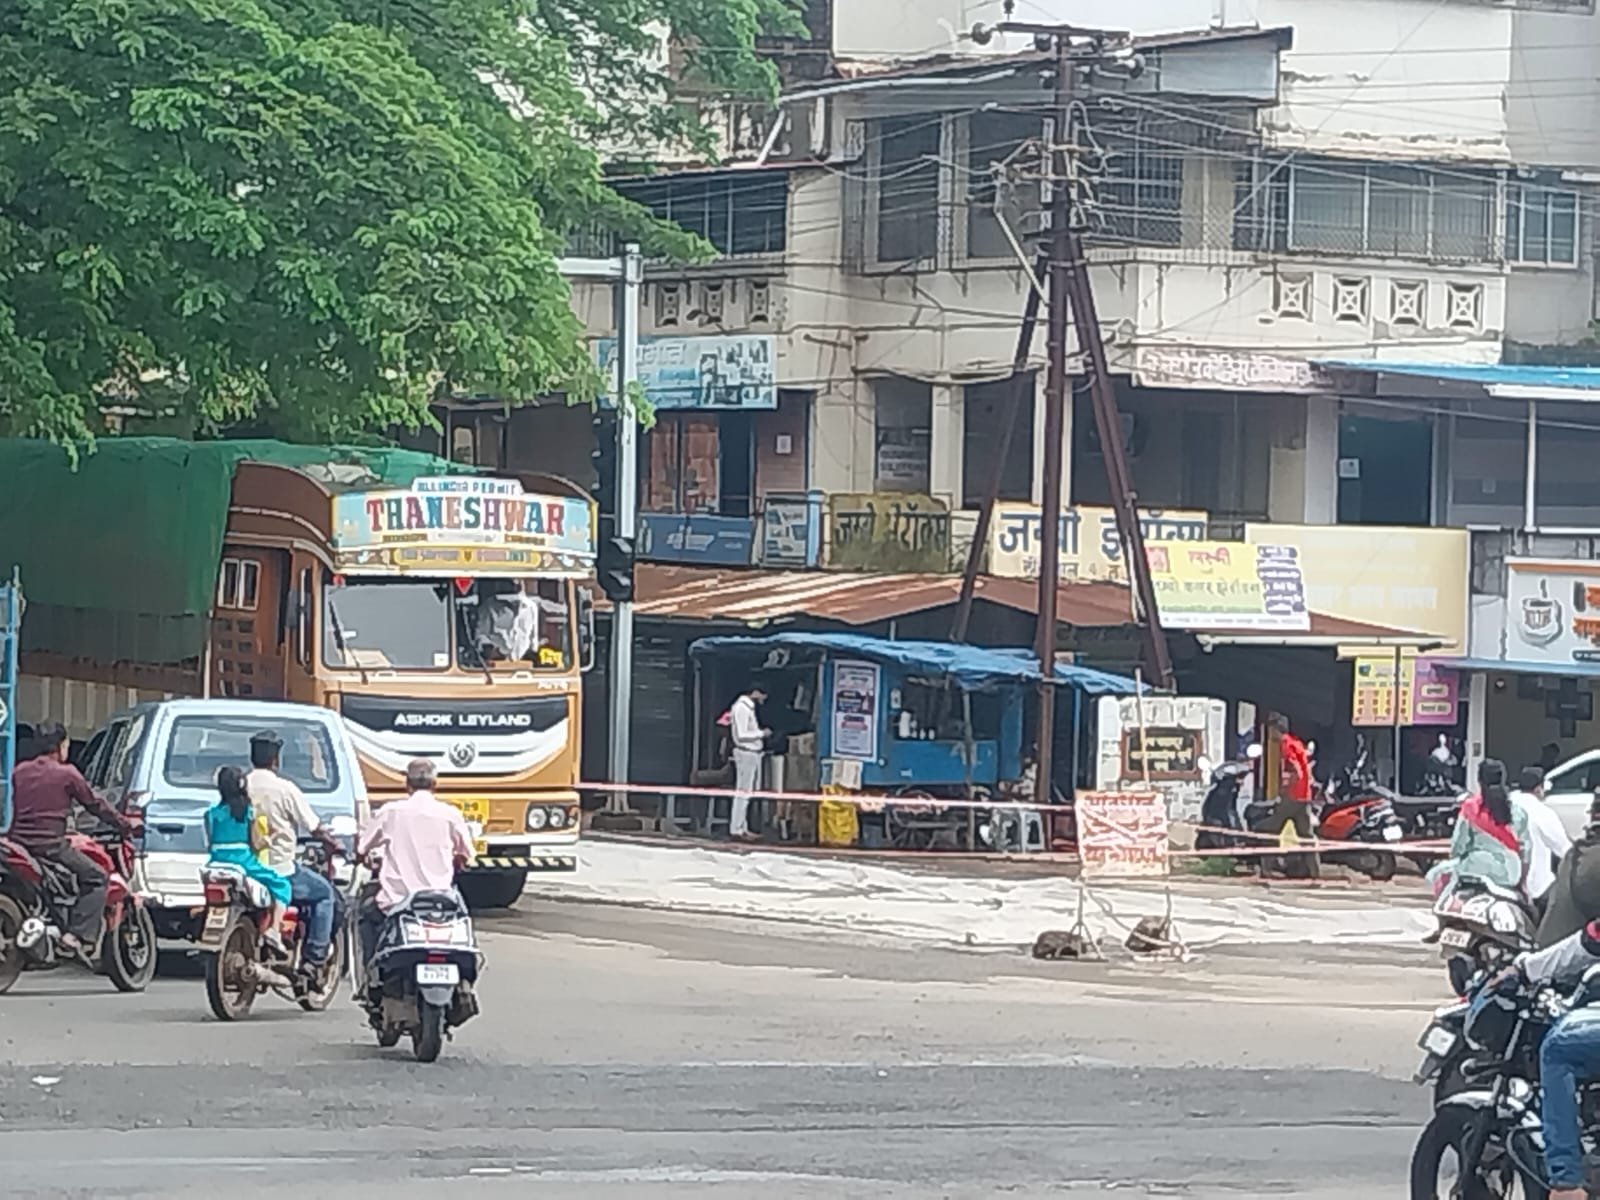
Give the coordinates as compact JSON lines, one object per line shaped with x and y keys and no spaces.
{"x":1359,"y":809}
{"x":1219,"y":811}
{"x":422,"y":978}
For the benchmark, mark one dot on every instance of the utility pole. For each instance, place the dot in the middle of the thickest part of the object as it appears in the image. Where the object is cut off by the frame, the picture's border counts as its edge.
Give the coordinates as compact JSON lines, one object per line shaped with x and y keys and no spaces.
{"x":1071,"y":291}
{"x":1008,"y":429}
{"x":1044,"y":638}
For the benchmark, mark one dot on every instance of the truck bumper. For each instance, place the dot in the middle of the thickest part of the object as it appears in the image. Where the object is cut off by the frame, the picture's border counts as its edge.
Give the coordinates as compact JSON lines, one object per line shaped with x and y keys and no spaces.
{"x":523,"y":861}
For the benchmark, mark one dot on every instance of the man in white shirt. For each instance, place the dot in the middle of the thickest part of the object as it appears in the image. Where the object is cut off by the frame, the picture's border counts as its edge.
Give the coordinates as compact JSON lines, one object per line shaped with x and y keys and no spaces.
{"x":1545,"y":831}
{"x":749,"y":741}
{"x":288,"y":815}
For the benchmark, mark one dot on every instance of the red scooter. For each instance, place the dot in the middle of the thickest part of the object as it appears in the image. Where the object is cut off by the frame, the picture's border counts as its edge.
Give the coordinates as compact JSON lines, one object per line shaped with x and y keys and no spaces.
{"x":36,"y":895}
{"x":1359,"y":809}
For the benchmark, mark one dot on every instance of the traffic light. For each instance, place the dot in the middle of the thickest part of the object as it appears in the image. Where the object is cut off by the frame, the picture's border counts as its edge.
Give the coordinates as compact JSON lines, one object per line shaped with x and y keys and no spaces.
{"x":615,"y":566}
{"x":605,"y":459}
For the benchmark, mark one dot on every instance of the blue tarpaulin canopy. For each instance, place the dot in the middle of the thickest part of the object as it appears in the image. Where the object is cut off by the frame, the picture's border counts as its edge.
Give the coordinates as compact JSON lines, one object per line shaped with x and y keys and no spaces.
{"x":972,"y":668}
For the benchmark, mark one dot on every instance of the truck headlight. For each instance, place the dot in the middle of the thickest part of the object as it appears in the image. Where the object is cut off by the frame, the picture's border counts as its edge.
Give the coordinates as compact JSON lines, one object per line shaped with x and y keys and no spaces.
{"x":558,"y":818}
{"x":537,"y":818}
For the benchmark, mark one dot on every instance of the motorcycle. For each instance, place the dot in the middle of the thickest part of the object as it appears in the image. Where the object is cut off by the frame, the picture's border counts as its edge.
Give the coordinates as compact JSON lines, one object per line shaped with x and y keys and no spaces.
{"x":1485,"y":923}
{"x":421,"y":980}
{"x":1358,"y":809}
{"x":1491,"y":1128}
{"x":36,"y":896}
{"x":242,"y":963}
{"x":1219,"y":812}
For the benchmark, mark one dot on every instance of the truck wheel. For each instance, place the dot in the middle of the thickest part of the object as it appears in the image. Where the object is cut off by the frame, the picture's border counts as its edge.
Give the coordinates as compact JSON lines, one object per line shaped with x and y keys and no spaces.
{"x":492,"y":889}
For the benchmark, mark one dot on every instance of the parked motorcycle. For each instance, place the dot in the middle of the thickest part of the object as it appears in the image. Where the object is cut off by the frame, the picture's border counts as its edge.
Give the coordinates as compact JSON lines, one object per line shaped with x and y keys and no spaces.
{"x":1359,"y":809}
{"x":242,"y":963}
{"x":422,"y":979}
{"x":1485,"y":1140}
{"x":36,"y":895}
{"x":1219,"y":812}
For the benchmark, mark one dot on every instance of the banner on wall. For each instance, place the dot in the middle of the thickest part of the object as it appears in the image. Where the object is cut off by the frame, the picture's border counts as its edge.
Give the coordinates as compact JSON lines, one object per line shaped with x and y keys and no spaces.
{"x":1229,"y":585}
{"x":1427,"y":694}
{"x":854,"y":710}
{"x":1552,"y":611}
{"x":1397,"y":578}
{"x":1091,"y":548}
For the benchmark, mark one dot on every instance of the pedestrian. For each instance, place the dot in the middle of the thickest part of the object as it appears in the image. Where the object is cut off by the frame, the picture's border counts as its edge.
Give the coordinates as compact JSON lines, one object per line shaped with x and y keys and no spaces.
{"x":1547,"y":836}
{"x":42,"y":793}
{"x":749,"y":742}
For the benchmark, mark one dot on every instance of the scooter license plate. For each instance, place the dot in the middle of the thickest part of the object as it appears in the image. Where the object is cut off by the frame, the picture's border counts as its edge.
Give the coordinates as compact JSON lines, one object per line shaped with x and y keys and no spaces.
{"x":438,"y":974}
{"x":1456,"y":939}
{"x":1391,"y":833}
{"x":216,"y":922}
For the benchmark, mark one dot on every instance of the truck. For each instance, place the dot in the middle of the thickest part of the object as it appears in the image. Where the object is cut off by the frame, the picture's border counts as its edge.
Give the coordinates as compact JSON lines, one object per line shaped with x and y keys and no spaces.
{"x":437,"y":610}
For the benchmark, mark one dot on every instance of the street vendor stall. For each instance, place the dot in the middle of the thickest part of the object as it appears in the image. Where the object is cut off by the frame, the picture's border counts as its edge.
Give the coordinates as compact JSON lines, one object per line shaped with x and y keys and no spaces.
{"x":916,"y":726}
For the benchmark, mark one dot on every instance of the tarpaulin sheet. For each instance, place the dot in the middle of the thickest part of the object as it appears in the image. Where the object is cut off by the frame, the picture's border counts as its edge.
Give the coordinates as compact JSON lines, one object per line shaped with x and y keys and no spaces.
{"x":119,"y":555}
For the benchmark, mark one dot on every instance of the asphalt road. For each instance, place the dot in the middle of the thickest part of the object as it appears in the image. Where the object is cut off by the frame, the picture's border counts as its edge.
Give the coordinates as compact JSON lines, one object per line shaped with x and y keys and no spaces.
{"x":638,"y":1055}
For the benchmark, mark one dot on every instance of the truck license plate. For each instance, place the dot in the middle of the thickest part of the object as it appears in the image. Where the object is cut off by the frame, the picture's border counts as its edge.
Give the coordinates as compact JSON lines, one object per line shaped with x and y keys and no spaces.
{"x":473,"y":808}
{"x":431,"y":974}
{"x":1456,"y":939}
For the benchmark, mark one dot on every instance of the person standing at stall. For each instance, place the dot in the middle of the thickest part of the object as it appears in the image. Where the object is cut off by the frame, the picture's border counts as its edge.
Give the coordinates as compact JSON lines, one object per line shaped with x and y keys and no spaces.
{"x":749,"y":744}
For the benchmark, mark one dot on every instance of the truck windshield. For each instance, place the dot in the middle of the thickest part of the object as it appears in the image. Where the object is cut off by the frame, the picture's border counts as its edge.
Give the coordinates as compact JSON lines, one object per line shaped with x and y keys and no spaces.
{"x":386,"y":624}
{"x":514,"y":624}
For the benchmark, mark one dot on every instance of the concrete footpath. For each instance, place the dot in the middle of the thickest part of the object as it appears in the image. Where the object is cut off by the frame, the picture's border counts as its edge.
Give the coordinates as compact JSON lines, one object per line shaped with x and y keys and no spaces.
{"x":977,"y":905}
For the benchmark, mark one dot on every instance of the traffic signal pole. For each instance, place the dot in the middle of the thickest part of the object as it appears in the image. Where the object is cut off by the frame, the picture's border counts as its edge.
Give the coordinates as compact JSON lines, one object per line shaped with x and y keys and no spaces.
{"x":620,"y":677}
{"x":626,"y":275}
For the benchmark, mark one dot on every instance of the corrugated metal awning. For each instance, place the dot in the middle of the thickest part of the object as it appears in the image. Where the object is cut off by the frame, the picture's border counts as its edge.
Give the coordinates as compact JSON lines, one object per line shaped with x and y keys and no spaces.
{"x":757,"y":598}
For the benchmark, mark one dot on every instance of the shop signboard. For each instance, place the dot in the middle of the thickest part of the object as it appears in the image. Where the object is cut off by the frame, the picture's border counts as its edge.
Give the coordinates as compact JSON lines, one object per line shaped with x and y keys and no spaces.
{"x":700,"y":539}
{"x":888,"y":531}
{"x":1091,"y":548}
{"x":1229,"y":586}
{"x":1178,"y":730}
{"x":790,"y":531}
{"x":1122,"y":834}
{"x":1397,"y":578}
{"x":728,"y":371}
{"x":1428,"y":694}
{"x":462,"y":524}
{"x":1552,"y":611}
{"x":853,"y":709}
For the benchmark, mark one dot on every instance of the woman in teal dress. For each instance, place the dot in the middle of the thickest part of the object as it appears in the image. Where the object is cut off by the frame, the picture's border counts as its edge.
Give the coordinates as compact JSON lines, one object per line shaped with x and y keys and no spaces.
{"x":229,"y":826}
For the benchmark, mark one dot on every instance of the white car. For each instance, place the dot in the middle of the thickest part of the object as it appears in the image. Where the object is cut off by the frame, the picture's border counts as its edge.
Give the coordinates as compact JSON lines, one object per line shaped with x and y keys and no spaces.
{"x":1569,"y":789}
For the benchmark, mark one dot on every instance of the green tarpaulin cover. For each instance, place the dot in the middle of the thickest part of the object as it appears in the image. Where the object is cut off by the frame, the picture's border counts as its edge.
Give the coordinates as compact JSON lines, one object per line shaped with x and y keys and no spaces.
{"x":119,"y":556}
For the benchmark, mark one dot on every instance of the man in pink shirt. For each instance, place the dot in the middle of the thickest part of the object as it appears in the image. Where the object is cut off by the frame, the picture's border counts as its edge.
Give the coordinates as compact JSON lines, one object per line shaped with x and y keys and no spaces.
{"x":422,"y":842}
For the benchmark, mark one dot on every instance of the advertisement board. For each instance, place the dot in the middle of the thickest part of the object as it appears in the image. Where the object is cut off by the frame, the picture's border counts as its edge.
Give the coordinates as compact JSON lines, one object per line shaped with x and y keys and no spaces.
{"x":1122,"y":834}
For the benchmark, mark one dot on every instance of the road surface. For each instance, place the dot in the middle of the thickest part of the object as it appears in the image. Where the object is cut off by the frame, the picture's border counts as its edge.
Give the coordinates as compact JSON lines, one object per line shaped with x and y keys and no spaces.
{"x":642,"y":1055}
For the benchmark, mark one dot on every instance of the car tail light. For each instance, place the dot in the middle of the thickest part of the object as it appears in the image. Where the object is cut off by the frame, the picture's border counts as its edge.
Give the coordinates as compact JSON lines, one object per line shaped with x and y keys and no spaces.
{"x":435,"y":958}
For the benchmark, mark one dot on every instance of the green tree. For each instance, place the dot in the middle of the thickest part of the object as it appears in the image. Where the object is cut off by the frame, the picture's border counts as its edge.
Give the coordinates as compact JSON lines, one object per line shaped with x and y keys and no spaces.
{"x":318,"y":211}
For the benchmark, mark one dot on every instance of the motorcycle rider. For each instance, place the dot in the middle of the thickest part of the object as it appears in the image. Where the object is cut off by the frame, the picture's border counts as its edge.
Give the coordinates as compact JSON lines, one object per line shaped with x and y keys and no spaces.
{"x":1569,"y":1057}
{"x":43,"y":790}
{"x":1574,"y":899}
{"x":422,"y":841}
{"x":288,"y":815}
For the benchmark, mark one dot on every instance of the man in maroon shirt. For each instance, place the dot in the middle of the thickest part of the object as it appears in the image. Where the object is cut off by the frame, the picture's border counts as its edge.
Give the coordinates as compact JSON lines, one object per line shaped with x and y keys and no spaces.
{"x":42,"y":792}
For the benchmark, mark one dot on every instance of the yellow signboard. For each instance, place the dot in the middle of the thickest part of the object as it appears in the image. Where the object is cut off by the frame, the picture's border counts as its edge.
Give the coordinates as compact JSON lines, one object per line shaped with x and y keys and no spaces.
{"x":1090,"y":546}
{"x":1399,"y":578}
{"x":1427,"y":694}
{"x":1229,"y":585}
{"x":888,"y":531}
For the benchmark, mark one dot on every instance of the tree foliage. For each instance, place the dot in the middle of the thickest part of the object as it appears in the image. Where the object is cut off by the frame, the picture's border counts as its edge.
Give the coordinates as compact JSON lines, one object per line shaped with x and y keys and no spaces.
{"x":317,"y":211}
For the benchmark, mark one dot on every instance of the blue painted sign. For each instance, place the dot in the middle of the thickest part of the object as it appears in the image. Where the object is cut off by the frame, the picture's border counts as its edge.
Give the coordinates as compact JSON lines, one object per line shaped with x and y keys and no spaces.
{"x":696,"y":538}
{"x":726,"y":371}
